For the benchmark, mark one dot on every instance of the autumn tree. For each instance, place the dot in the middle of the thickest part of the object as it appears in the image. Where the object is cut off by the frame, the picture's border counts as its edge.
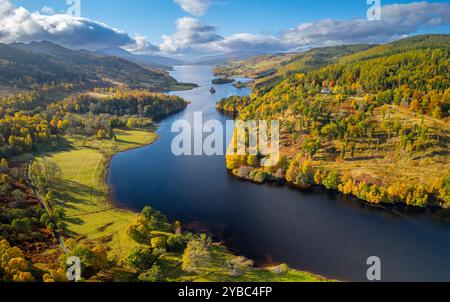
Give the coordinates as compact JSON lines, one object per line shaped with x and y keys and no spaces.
{"x":141,"y":259}
{"x":44,"y":173}
{"x":14,"y":266}
{"x":238,"y":266}
{"x":196,"y":255}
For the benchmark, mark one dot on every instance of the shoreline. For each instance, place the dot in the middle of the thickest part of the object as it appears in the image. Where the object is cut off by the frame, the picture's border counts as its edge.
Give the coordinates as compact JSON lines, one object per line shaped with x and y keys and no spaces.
{"x":93,"y":216}
{"x":284,"y":181}
{"x":114,"y":206}
{"x":83,"y":191}
{"x":354,"y":198}
{"x":357,"y":202}
{"x":109,"y":158}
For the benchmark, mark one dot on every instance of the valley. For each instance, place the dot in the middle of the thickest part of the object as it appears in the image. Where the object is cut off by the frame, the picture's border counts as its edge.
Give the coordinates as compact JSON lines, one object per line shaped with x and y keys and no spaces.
{"x":364,"y":144}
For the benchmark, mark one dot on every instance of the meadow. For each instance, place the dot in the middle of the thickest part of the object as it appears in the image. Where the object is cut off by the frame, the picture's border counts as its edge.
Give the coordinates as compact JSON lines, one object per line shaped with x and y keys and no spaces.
{"x":83,"y":193}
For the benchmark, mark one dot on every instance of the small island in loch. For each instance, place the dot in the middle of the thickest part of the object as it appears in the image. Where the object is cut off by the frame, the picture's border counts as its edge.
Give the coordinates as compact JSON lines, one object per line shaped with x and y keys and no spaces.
{"x":240,"y":85}
{"x":221,"y":81}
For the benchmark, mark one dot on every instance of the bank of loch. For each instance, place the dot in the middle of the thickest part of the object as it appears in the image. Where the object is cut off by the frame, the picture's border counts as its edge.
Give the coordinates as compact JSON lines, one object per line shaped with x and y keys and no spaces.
{"x":95,"y":226}
{"x":366,"y":124}
{"x":311,"y":230}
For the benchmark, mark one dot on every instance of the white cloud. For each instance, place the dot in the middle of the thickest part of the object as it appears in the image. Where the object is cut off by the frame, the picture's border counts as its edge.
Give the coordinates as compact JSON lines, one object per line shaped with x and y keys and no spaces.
{"x":189,"y":34}
{"x":398,"y":20}
{"x":193,"y":36}
{"x":195,"y":7}
{"x":5,"y":6}
{"x":141,"y":46}
{"x":47,"y":10}
{"x":246,"y":42}
{"x":19,"y":25}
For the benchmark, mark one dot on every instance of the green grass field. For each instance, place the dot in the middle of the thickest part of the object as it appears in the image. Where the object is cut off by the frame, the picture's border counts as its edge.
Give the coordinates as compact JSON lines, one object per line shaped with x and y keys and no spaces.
{"x":82,"y":190}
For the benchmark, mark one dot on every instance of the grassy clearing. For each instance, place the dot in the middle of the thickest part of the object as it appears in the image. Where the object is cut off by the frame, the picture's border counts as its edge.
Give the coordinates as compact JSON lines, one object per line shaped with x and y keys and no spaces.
{"x":84,"y":194}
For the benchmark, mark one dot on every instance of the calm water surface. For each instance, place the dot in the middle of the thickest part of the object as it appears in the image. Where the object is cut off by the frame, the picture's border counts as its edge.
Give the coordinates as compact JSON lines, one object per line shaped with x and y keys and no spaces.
{"x":315,"y":231}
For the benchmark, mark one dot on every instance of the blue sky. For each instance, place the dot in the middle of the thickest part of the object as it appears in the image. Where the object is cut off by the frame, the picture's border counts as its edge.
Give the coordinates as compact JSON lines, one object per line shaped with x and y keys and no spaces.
{"x":155,"y":18}
{"x":264,"y":22}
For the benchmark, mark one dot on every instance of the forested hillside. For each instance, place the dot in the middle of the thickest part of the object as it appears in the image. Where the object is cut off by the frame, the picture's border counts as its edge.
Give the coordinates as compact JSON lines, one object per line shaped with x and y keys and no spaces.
{"x":38,"y":64}
{"x":120,"y":103}
{"x":374,"y":124}
{"x":270,"y":70}
{"x":23,"y":69}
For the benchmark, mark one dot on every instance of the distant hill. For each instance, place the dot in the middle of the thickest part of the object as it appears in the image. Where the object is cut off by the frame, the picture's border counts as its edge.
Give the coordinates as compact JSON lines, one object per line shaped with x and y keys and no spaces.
{"x":420,"y":63}
{"x":251,"y":67}
{"x":271,"y":69}
{"x":152,"y":60}
{"x":319,"y":57}
{"x":413,"y":43}
{"x":45,"y":62}
{"x":227,"y":57}
{"x":22,"y":68}
{"x":288,"y":62}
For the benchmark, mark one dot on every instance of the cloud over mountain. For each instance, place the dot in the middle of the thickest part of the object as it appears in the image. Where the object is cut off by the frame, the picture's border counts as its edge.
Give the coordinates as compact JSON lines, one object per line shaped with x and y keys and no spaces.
{"x":141,"y":46}
{"x":18,"y":24}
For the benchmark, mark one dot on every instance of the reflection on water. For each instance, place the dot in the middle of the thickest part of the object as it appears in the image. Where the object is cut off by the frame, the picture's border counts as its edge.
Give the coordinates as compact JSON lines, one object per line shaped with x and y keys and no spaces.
{"x":317,"y":231}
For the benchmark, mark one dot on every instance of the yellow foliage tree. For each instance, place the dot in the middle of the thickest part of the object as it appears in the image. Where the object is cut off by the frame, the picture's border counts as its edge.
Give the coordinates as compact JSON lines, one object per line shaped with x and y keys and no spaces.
{"x":13,"y":263}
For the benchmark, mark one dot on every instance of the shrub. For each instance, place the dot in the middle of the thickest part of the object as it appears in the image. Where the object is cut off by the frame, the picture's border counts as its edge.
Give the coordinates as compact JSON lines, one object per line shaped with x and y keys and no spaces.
{"x":159,"y":243}
{"x":177,"y":243}
{"x":239,"y":266}
{"x":92,"y":260}
{"x":141,"y":258}
{"x":259,"y":176}
{"x":152,"y":275}
{"x":280,"y":269}
{"x":58,"y":275}
{"x":196,"y":255}
{"x":332,"y":181}
{"x":21,"y":225}
{"x":13,"y":265}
